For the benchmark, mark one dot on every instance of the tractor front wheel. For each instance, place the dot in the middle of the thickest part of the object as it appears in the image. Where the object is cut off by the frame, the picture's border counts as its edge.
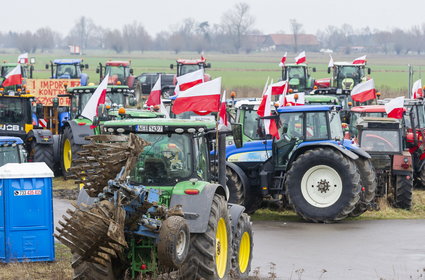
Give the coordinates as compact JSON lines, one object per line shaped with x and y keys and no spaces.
{"x":68,"y":151}
{"x":242,"y":247}
{"x":369,"y":183}
{"x":323,"y":185}
{"x":403,"y":192}
{"x":210,"y":252}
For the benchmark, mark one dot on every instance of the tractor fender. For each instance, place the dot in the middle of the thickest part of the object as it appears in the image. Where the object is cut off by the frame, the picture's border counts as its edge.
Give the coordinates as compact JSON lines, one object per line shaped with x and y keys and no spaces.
{"x":241,"y":174}
{"x":197,"y":207}
{"x":79,"y":132}
{"x":235,"y":211}
{"x":309,"y":146}
{"x":40,"y":136}
{"x":355,"y":149}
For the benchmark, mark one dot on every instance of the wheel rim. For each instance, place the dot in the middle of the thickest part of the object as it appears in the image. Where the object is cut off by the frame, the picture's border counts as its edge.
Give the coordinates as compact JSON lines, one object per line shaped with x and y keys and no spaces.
{"x":244,"y":252}
{"x":67,"y":154}
{"x":181,"y":243}
{"x":221,"y":248}
{"x":321,"y":186}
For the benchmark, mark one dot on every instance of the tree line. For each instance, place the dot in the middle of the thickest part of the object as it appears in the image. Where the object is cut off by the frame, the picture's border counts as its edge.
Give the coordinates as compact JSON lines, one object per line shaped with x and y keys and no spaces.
{"x":236,"y":32}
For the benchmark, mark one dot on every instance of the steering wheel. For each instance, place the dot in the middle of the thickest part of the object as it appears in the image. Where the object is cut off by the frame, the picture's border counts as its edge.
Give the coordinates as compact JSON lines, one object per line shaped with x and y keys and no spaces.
{"x":381,"y":140}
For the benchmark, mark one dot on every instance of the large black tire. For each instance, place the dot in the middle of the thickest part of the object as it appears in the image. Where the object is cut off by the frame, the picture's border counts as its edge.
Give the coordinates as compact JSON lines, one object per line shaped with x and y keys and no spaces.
{"x":337,"y":179}
{"x":91,"y":271}
{"x":242,"y":247}
{"x":68,"y":151}
{"x":369,"y":182}
{"x":249,"y":198}
{"x":42,"y":153}
{"x":403,"y":192}
{"x":173,"y":244}
{"x":201,"y":262}
{"x":419,"y":183}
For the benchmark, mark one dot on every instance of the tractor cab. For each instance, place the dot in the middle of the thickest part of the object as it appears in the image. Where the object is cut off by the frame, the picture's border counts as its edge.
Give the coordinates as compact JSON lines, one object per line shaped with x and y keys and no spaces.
{"x":185,"y":66}
{"x":358,"y":112}
{"x":347,"y":75}
{"x":120,"y":73}
{"x":68,"y":69}
{"x":12,"y":150}
{"x":26,"y":69}
{"x":298,"y":76}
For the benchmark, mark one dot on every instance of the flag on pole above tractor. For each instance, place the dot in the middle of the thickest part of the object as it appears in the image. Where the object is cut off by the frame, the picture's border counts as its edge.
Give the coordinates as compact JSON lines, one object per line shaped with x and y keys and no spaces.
{"x":98,"y":97}
{"x":201,"y":97}
{"x":189,"y":80}
{"x":155,"y":95}
{"x":395,"y":107}
{"x":222,"y":112}
{"x":364,"y":91}
{"x":300,"y":58}
{"x":264,"y":110}
{"x":417,"y":91}
{"x":23,"y":58}
{"x":14,"y":77}
{"x":283,"y":60}
{"x":279,"y":87}
{"x":360,"y":60}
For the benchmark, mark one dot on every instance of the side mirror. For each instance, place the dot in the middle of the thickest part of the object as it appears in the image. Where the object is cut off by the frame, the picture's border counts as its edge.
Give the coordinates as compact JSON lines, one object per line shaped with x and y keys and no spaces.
{"x":32,"y":60}
{"x":329,"y":70}
{"x":86,"y":66}
{"x":97,"y":70}
{"x":47,"y":66}
{"x":237,"y":134}
{"x":208,"y":65}
{"x":171,"y":66}
{"x":314,"y":69}
{"x":369,"y":71}
{"x":132,"y":101}
{"x":131,"y":71}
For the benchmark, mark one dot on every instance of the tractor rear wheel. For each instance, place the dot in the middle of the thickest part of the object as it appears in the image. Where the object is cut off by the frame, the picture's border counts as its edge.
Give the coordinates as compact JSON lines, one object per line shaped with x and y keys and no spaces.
{"x":249,"y":198}
{"x":242,"y":247}
{"x":42,"y":153}
{"x":323,"y":185}
{"x":403,"y":192}
{"x":419,"y":183}
{"x":68,"y":151}
{"x":92,"y":271}
{"x":368,"y":182}
{"x":210,"y":253}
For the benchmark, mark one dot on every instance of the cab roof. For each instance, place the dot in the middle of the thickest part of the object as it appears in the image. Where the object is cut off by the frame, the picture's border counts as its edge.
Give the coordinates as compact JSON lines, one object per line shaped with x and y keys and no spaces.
{"x":190,"y":61}
{"x":117,"y":63}
{"x":305,"y":108}
{"x":369,"y":109}
{"x":345,"y":63}
{"x":9,"y":140}
{"x":67,"y":61}
{"x":167,"y":123}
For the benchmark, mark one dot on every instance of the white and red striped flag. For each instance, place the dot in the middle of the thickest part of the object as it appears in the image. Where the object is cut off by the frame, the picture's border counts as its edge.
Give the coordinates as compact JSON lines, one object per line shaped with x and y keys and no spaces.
{"x":14,"y":77}
{"x":360,"y":60}
{"x":189,"y":80}
{"x":98,"y":97}
{"x":417,"y":91}
{"x":364,"y":91}
{"x":331,"y":61}
{"x":155,"y":95}
{"x":264,"y":110}
{"x":23,"y":58}
{"x":295,"y":99}
{"x":395,"y":108}
{"x":222,"y":112}
{"x":283,"y":60}
{"x":300,"y":58}
{"x":279,"y":87}
{"x":201,"y":97}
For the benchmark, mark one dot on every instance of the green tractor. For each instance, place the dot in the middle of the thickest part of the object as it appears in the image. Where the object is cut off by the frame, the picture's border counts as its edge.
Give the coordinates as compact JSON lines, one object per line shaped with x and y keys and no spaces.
{"x":165,"y":214}
{"x":26,"y":72}
{"x":298,"y":76}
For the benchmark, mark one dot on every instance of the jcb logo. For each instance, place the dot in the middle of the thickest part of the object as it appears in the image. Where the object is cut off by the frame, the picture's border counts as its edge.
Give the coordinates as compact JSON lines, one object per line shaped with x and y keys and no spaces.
{"x":9,"y":127}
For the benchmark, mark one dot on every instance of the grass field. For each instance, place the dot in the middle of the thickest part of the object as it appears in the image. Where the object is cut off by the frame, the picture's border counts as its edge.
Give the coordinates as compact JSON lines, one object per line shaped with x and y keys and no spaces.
{"x":245,"y":73}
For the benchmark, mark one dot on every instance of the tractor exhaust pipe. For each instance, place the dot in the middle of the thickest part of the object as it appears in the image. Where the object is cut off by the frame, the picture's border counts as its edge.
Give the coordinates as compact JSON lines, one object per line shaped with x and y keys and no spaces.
{"x":222,"y":159}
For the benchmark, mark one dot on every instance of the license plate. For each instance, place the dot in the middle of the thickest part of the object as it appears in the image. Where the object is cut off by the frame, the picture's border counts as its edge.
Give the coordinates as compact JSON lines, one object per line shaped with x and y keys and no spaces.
{"x":149,"y":128}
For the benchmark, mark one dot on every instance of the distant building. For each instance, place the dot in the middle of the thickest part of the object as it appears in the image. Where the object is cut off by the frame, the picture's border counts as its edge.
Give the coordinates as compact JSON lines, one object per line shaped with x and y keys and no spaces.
{"x":286,"y":42}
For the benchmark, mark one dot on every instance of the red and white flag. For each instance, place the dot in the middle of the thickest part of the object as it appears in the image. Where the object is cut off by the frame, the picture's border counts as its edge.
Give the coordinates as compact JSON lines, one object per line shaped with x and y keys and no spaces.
{"x":222,"y":112}
{"x":189,"y":80}
{"x":283,"y":60}
{"x":98,"y":97}
{"x":417,"y":91}
{"x":264,"y":110}
{"x":331,"y":62}
{"x":364,"y":91}
{"x":395,"y":108}
{"x":155,"y":95}
{"x":300,"y":58}
{"x":295,"y":99}
{"x":279,"y":87}
{"x":14,"y":77}
{"x":23,"y":58}
{"x":201,"y":97}
{"x":360,"y":60}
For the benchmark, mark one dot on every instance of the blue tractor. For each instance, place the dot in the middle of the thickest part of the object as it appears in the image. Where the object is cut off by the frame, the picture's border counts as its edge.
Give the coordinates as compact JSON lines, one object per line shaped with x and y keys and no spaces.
{"x":69,"y":69}
{"x":321,"y":175}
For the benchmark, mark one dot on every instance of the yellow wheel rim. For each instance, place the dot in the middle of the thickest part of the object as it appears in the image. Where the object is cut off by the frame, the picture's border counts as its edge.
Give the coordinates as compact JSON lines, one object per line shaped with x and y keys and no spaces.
{"x":67,"y":154}
{"x":221,"y":248}
{"x":244,"y":252}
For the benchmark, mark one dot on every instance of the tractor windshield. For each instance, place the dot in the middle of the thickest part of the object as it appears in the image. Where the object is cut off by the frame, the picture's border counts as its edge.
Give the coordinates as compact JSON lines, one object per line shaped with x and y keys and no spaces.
{"x":68,"y":71}
{"x":15,"y":110}
{"x":188,"y":68}
{"x":9,"y":154}
{"x":167,"y":160}
{"x":80,"y":101}
{"x":418,"y":112}
{"x":349,"y":76}
{"x":381,"y":141}
{"x":119,"y":73}
{"x":250,"y":125}
{"x":6,"y":69}
{"x":194,"y":116}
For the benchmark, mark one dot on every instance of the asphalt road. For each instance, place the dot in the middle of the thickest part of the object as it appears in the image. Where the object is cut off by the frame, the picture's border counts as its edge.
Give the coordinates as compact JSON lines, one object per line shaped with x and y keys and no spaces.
{"x":358,"y":250}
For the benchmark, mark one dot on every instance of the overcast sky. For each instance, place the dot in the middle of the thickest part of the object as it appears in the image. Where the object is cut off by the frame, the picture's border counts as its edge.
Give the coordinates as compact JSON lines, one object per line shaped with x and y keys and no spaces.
{"x":156,"y":15}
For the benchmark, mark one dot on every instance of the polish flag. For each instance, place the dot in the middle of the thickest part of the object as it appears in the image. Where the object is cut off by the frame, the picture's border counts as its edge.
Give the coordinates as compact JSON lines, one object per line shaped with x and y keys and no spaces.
{"x":283,"y":60}
{"x":331,"y":62}
{"x":202,"y":97}
{"x":155,"y":95}
{"x":417,"y":91}
{"x":364,"y":91}
{"x":222,"y":112}
{"x":395,"y":108}
{"x":295,"y":99}
{"x":23,"y":58}
{"x":189,"y":80}
{"x":360,"y":60}
{"x":300,"y":58}
{"x":14,"y":77}
{"x":264,"y":110}
{"x":98,"y":97}
{"x":279,"y":87}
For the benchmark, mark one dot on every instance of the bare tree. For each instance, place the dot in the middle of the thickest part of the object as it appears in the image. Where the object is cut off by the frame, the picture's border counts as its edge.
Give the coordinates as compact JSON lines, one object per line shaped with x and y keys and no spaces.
{"x":114,"y":40}
{"x":81,"y":32}
{"x":25,"y":42}
{"x":238,"y":23}
{"x":45,"y":38}
{"x":296,"y":28}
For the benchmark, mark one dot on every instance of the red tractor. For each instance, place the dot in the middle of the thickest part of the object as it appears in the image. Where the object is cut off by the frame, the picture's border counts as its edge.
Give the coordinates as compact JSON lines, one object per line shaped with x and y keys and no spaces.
{"x":119,"y":72}
{"x":185,"y":66}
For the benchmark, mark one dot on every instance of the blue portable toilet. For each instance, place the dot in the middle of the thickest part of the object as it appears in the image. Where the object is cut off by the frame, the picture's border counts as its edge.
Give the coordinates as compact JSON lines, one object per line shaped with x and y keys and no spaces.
{"x":26,"y":213}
